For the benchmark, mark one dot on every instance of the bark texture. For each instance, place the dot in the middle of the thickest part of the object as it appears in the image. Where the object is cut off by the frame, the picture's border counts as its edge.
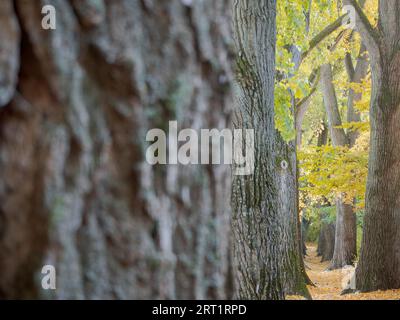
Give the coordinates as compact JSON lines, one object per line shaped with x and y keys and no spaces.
{"x":75,"y":189}
{"x":379,"y":264}
{"x":266,"y":226}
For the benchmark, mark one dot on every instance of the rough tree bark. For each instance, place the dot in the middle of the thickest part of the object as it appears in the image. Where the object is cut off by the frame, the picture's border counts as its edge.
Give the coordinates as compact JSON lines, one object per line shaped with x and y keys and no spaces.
{"x":379,"y":263}
{"x":267,"y":238}
{"x":75,"y":189}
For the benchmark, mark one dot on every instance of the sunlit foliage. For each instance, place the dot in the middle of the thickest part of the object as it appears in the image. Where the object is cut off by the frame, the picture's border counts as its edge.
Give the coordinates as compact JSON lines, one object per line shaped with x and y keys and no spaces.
{"x":325,"y":171}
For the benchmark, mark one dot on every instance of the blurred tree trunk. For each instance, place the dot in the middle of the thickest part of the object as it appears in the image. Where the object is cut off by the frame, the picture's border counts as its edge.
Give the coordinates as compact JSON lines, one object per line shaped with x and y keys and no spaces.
{"x":267,"y":239}
{"x":379,"y":262}
{"x":75,"y":189}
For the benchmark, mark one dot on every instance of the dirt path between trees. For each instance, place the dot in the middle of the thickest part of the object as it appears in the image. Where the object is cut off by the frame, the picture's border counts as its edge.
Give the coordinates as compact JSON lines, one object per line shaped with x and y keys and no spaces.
{"x":328,"y":284}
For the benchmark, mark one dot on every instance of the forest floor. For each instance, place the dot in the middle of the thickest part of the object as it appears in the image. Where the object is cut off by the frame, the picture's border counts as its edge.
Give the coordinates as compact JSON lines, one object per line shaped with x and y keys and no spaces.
{"x":328,"y":284}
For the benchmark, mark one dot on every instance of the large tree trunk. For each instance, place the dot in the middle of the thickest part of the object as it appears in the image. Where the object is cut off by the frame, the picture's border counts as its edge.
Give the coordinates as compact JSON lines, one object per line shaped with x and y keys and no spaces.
{"x":346,"y":232}
{"x":267,"y":238}
{"x":75,"y":189}
{"x":379,"y":264}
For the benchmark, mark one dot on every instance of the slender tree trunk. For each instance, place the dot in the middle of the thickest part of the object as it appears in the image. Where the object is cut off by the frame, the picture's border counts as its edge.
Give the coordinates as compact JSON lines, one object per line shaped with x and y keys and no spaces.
{"x":267,"y":239}
{"x":75,"y":189}
{"x":379,"y":263}
{"x":326,"y":238}
{"x":346,"y":232}
{"x":356,"y":76}
{"x":300,"y":113}
{"x":305,"y":224}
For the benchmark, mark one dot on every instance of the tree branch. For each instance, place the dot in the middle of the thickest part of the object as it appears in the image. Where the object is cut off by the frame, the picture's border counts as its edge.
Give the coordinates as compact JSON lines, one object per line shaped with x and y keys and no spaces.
{"x":363,"y":18}
{"x":369,"y":34}
{"x":312,"y":91}
{"x":322,"y":35}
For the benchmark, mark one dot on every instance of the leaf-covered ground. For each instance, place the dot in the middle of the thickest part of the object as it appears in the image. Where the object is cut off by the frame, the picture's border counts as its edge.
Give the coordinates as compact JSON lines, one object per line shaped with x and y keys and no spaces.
{"x":328,"y":284}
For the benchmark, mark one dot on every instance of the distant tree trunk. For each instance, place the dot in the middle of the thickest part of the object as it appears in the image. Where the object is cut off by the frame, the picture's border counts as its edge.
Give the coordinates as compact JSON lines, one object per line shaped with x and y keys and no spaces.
{"x":326,"y":242}
{"x":326,"y":238}
{"x":305,"y":224}
{"x":346,"y":232}
{"x":75,"y":189}
{"x":323,"y":134}
{"x":320,"y":241}
{"x":345,"y":235}
{"x":300,"y":113}
{"x":356,"y":75}
{"x":267,"y":238}
{"x":379,"y":262}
